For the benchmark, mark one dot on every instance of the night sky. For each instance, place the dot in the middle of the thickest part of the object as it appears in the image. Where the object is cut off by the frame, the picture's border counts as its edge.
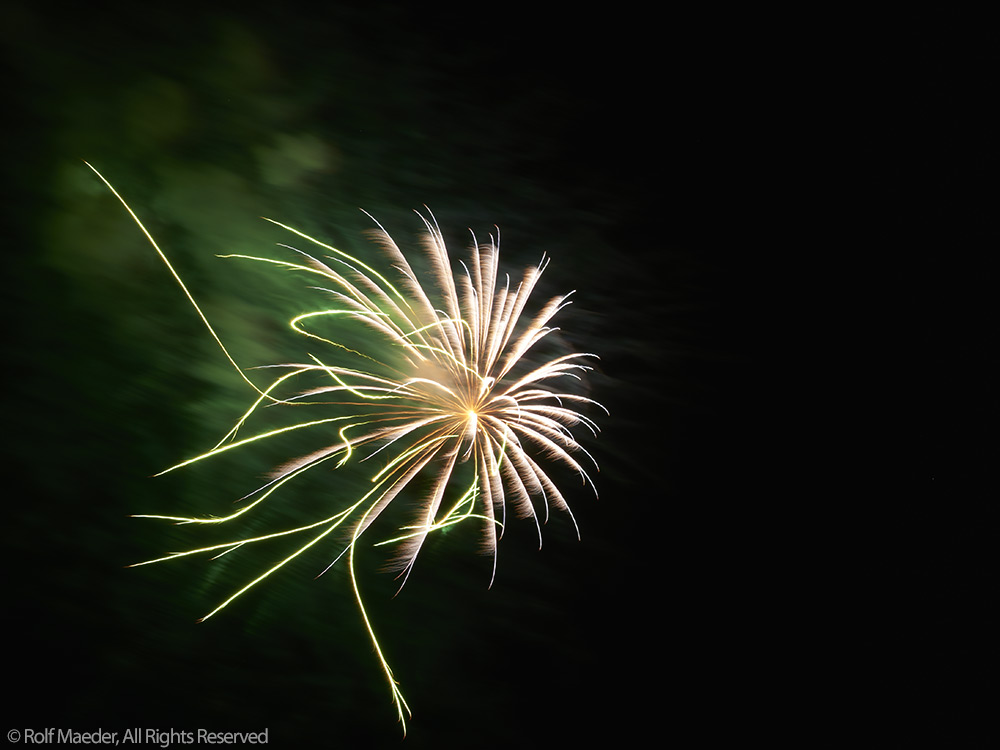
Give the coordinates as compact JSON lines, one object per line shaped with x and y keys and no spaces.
{"x":782,"y":247}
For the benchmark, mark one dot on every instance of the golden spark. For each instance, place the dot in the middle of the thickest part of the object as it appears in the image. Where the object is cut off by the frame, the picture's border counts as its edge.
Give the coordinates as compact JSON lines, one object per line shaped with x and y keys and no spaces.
{"x":458,"y":388}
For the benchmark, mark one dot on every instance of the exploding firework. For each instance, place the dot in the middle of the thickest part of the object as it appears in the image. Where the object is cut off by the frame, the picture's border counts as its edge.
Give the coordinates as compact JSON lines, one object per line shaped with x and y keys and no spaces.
{"x":446,"y":383}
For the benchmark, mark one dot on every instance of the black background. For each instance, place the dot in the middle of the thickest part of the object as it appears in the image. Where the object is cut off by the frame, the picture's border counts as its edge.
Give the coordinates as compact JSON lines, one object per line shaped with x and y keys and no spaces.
{"x":782,"y":232}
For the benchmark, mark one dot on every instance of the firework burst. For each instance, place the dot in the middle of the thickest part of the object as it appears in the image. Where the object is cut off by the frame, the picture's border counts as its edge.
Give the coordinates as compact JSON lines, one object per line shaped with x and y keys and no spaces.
{"x":446,"y":384}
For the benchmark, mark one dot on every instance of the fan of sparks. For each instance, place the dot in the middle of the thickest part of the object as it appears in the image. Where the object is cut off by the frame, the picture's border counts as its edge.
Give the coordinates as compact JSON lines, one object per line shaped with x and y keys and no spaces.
{"x":449,"y":381}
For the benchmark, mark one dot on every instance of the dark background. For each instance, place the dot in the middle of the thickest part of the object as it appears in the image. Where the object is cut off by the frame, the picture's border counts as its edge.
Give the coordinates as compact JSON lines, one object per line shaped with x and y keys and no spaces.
{"x":782,"y":236}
